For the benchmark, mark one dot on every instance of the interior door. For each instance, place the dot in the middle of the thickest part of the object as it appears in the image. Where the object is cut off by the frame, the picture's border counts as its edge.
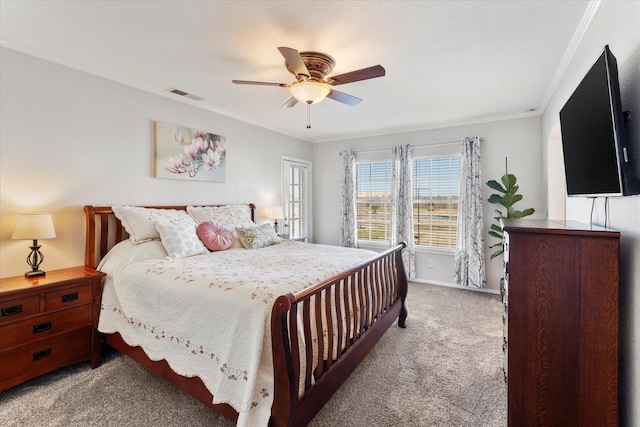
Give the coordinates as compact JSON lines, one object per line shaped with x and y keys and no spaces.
{"x":296,"y":179}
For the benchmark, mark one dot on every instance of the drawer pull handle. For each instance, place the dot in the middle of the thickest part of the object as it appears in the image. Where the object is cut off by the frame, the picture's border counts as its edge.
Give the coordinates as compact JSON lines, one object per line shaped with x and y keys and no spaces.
{"x":41,"y":327}
{"x":41,"y":354}
{"x":8,"y":311}
{"x":70,"y":297}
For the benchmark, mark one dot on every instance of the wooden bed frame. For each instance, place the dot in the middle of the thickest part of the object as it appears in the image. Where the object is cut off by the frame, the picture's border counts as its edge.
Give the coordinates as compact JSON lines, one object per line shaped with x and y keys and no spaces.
{"x":380,"y":280}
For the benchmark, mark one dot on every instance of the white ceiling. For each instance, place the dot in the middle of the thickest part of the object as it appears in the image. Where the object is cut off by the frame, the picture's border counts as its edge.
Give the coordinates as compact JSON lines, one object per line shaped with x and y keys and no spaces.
{"x":447,"y":62}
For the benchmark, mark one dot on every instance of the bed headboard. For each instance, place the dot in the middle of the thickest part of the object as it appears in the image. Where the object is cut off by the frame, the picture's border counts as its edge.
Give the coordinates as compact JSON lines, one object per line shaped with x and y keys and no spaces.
{"x":104,"y":230}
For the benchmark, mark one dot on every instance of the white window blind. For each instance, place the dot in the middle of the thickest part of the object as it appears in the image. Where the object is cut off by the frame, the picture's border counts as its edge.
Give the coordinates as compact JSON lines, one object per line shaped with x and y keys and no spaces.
{"x":436,"y":186}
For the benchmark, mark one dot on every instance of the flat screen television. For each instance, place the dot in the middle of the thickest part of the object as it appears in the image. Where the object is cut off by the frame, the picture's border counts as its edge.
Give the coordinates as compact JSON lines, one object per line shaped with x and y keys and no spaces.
{"x":596,"y":159}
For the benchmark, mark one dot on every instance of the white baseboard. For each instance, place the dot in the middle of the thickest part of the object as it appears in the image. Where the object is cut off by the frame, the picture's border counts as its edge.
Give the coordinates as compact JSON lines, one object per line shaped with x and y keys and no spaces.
{"x":452,"y":285}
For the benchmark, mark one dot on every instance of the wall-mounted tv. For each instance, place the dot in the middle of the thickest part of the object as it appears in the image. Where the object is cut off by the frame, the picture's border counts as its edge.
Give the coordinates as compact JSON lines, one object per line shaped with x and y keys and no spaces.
{"x":596,"y":157}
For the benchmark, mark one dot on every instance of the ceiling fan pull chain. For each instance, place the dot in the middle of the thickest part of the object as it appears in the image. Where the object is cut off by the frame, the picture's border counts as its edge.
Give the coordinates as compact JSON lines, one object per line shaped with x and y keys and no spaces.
{"x":309,"y":116}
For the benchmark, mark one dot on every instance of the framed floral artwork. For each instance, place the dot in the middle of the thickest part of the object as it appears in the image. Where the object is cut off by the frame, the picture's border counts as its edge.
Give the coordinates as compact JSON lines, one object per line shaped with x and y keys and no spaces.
{"x":188,"y":154}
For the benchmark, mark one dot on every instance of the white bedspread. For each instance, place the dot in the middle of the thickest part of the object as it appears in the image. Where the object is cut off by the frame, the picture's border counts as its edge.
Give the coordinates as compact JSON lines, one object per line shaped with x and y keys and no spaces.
{"x":209,"y":315}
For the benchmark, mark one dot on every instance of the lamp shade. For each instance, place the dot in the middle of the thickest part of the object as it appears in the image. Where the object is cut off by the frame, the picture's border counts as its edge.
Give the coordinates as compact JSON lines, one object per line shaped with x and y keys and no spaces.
{"x":34,"y":227}
{"x":272,"y":212}
{"x":309,"y":91}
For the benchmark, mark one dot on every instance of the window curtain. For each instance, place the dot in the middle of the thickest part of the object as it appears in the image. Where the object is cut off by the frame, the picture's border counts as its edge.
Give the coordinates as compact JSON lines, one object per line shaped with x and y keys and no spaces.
{"x":402,"y":205}
{"x":348,"y":228}
{"x":469,"y":258}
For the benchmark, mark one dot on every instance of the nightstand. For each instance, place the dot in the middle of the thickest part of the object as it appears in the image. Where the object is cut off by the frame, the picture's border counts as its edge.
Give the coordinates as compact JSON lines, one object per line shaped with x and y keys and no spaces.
{"x":48,"y":322}
{"x":297,"y":239}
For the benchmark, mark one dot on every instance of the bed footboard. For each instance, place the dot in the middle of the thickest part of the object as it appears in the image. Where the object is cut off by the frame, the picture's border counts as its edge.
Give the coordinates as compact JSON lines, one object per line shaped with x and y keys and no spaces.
{"x":321,"y":334}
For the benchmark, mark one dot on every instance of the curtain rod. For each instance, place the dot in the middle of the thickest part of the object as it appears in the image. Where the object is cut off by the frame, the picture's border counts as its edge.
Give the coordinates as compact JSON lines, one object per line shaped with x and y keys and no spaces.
{"x":413,"y":146}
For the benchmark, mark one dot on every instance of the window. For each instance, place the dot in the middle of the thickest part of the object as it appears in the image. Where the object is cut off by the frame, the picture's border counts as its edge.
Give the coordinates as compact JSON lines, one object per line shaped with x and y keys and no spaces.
{"x":373,"y":181}
{"x":436,"y":186}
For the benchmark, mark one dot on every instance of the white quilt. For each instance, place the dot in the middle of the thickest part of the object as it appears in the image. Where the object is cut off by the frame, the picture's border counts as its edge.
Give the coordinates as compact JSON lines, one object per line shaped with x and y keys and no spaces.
{"x":209,"y":315}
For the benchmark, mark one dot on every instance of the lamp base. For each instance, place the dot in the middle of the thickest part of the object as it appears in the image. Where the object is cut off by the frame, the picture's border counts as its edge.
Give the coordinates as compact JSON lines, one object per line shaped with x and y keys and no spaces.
{"x":36,"y":273}
{"x":34,"y":259}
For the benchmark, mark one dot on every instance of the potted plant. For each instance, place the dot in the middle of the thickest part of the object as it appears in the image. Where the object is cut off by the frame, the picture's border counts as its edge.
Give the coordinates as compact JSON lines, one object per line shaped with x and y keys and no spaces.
{"x":508,"y":197}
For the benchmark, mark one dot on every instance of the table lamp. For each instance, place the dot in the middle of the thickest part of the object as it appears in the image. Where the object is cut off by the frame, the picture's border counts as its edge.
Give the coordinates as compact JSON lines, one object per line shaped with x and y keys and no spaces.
{"x":274,"y":213}
{"x":34,"y":227}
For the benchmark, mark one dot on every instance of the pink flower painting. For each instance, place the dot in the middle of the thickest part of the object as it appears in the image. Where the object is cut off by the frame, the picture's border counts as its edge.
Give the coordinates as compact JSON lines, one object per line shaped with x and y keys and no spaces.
{"x":189,"y":154}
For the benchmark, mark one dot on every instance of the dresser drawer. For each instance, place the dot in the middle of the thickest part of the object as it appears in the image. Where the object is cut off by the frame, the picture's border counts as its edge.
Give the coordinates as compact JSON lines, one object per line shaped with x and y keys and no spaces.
{"x":40,"y":354}
{"x":68,"y":297}
{"x":18,"y":308}
{"x":44,"y":326}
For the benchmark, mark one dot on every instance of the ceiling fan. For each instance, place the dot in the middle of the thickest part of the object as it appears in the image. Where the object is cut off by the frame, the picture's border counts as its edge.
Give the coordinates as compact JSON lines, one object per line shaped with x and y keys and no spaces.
{"x":310,"y":70}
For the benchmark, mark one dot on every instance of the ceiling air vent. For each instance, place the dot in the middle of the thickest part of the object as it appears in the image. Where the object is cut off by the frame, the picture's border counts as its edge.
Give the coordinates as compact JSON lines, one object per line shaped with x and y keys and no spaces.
{"x":185,"y":94}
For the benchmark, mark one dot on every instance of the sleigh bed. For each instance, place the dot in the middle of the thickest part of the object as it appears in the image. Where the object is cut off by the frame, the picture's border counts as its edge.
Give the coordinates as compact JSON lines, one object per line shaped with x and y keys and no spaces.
{"x":314,"y":337}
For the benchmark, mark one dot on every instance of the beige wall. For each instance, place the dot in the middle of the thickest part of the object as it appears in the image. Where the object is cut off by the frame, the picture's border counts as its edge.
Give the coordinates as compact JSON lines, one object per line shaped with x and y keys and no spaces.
{"x":69,"y":139}
{"x":615,"y":24}
{"x":517,"y":139}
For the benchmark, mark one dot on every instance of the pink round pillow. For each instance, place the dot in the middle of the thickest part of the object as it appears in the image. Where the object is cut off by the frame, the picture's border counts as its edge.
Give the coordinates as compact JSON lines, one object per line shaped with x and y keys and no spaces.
{"x":215,"y":236}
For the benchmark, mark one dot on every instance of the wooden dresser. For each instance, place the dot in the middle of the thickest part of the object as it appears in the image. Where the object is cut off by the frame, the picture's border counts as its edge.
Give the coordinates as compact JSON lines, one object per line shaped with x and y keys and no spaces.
{"x":48,"y":322}
{"x":561,"y":323}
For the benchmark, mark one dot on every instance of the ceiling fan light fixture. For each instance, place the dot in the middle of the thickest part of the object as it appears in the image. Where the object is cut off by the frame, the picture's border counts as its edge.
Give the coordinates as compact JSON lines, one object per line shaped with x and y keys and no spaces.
{"x":309,"y":91}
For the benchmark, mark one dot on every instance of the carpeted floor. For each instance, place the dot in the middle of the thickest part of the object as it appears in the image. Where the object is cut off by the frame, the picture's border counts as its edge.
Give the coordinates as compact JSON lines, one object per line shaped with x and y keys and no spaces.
{"x":443,"y":370}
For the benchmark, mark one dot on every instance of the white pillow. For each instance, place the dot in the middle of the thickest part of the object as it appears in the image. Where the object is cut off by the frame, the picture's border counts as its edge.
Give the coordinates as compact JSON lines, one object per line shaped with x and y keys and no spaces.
{"x":229,"y":216}
{"x":181,"y":239}
{"x":140,"y":223}
{"x":125,"y":253}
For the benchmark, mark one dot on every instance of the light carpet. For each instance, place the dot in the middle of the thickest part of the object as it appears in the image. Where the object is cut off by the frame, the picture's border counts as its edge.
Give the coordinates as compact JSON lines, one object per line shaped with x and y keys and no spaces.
{"x":444,"y":369}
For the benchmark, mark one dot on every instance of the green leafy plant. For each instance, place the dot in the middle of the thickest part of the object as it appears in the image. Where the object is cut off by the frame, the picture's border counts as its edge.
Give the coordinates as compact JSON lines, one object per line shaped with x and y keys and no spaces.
{"x":508,"y":197}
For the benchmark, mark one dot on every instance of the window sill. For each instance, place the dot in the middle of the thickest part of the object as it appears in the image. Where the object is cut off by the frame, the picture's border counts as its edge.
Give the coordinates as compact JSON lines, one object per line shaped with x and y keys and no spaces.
{"x":434,"y":250}
{"x":419,"y":249}
{"x":372,"y":245}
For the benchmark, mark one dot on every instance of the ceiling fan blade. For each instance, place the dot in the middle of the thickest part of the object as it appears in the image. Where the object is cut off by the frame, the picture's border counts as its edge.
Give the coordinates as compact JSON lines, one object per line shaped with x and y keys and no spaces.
{"x":344,"y":98}
{"x":249,"y":82}
{"x":354,"y":76}
{"x":290,"y":103}
{"x":294,"y":60}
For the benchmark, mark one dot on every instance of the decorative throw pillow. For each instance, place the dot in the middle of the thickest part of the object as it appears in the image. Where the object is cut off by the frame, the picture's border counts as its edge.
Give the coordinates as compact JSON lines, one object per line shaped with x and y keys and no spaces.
{"x":215,"y":236}
{"x":258,"y":236}
{"x":180,"y":240}
{"x":229,"y":216}
{"x":140,"y":223}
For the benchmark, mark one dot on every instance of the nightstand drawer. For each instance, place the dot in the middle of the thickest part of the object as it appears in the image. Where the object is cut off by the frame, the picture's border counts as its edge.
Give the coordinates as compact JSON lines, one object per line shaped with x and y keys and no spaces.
{"x":68,"y":297}
{"x":41,"y":354}
{"x":18,"y":308}
{"x":44,"y":326}
{"x":49,"y":322}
